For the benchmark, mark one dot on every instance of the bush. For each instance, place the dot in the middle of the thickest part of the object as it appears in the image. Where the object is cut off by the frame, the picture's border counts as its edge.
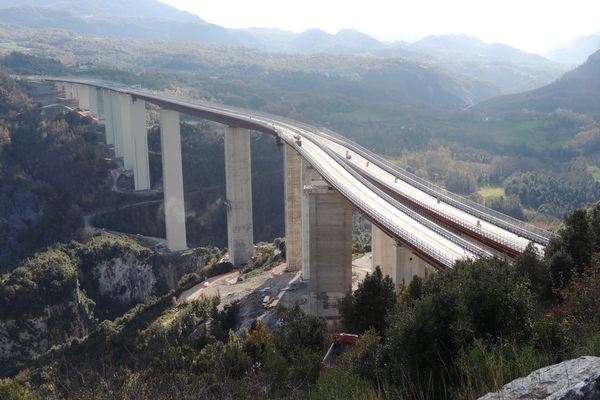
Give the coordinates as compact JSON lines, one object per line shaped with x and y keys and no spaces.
{"x":338,"y":385}
{"x":11,"y":390}
{"x":369,"y":305}
{"x":483,"y":369}
{"x":46,"y":279}
{"x":485,"y":299}
{"x":216,"y":269}
{"x":188,"y":281}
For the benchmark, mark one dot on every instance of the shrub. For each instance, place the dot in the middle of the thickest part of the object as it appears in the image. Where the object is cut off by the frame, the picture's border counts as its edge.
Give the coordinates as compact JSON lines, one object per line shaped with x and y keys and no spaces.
{"x":368,"y":306}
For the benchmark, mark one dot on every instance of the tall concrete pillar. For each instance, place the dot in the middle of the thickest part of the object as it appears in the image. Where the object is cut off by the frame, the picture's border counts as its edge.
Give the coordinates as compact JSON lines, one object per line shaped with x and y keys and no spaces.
{"x":238,"y":181}
{"x":100,"y":103}
{"x":330,"y":249}
{"x":141,"y":171}
{"x":125,"y":104}
{"x":170,"y":141}
{"x":69,"y":91}
{"x":406,"y":265}
{"x":381,"y":250}
{"x":117,"y":124}
{"x":308,"y":176}
{"x":108,"y":117}
{"x":83,"y":95}
{"x":93,"y":101}
{"x":293,"y":209}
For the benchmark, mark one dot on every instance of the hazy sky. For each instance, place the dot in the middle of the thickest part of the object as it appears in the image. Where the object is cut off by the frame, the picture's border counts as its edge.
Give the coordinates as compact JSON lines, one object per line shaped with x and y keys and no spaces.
{"x":531,"y":25}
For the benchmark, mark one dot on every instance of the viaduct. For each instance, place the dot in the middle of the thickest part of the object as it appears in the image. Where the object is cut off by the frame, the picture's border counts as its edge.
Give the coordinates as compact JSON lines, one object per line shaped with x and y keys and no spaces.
{"x":417,"y":227}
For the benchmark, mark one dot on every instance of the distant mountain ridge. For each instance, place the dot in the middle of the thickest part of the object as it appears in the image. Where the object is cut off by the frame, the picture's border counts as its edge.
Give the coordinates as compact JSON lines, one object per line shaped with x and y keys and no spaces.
{"x":508,"y":69}
{"x":106,"y":8}
{"x":578,"y":90}
{"x":576,"y":51}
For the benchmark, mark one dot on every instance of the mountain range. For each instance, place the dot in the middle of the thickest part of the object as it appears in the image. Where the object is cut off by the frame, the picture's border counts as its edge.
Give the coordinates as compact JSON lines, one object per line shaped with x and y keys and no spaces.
{"x":508,"y":69}
{"x":576,"y":91}
{"x":576,"y":51}
{"x":110,"y":8}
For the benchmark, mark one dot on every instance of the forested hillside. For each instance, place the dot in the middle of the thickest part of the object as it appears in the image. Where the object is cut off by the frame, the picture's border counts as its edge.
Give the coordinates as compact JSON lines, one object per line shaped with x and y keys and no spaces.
{"x":51,"y":170}
{"x":575,"y":91}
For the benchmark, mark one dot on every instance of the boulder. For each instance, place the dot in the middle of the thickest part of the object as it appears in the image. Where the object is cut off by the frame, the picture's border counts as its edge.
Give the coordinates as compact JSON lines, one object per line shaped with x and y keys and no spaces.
{"x":576,"y":379}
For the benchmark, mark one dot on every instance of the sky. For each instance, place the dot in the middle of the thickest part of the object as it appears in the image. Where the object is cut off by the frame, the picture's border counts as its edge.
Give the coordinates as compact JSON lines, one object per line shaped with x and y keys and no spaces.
{"x":532,"y":25}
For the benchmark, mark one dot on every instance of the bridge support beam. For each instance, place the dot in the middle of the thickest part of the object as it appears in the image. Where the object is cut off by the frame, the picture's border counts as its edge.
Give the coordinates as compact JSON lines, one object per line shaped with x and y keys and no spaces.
{"x":405,"y":265}
{"x":93,"y":101}
{"x":170,"y":140}
{"x":308,"y":176}
{"x":329,"y":232}
{"x":381,"y":250}
{"x":125,"y":106}
{"x":100,"y":103}
{"x":141,"y":170}
{"x":238,"y":179}
{"x":117,"y":115}
{"x":83,"y":95}
{"x":395,"y":260}
{"x":293,"y":209}
{"x":109,"y":127}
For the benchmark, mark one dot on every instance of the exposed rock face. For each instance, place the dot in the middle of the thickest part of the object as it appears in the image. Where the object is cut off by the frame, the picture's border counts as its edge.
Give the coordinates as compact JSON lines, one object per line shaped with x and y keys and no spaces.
{"x":25,"y":338}
{"x":118,"y":273}
{"x":126,"y":279}
{"x":577,"y":379}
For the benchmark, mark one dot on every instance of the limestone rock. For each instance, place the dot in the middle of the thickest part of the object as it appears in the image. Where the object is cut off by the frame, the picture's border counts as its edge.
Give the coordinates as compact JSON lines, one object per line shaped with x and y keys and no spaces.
{"x":577,"y":379}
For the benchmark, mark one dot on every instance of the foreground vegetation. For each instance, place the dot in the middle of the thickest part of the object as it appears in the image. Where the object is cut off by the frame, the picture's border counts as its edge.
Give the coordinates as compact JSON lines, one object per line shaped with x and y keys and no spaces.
{"x":454,"y":334}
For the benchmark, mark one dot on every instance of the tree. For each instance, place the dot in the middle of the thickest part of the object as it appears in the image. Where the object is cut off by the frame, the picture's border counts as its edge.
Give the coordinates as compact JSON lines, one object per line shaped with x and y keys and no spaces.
{"x":476,"y":299}
{"x":530,"y":265}
{"x":369,"y":305}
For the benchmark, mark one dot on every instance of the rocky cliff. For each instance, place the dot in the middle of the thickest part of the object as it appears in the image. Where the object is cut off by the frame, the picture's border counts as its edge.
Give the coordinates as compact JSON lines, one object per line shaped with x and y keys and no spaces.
{"x":40,"y":306}
{"x":577,"y":379}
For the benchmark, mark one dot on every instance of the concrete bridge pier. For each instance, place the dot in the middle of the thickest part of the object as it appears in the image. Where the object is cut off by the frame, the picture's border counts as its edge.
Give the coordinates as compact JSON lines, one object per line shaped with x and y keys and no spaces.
{"x":117,"y":115}
{"x":170,"y":141}
{"x":141,"y":171}
{"x":109,"y":128}
{"x":100,"y":105}
{"x":406,"y":265}
{"x":238,"y":181}
{"x":92,"y":92}
{"x":396,"y":260}
{"x":381,"y":250}
{"x":69,"y":91}
{"x":125,"y":106}
{"x":293,"y":209}
{"x":83,"y":95}
{"x":327,"y":229}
